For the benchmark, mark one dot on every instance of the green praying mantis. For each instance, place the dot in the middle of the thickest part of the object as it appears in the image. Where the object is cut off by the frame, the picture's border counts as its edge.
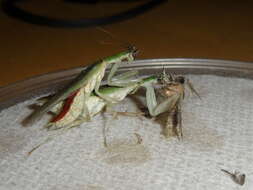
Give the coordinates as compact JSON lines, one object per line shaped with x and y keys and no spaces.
{"x":85,"y":97}
{"x":95,"y":104}
{"x":68,"y":112}
{"x":172,"y":90}
{"x":87,"y":81}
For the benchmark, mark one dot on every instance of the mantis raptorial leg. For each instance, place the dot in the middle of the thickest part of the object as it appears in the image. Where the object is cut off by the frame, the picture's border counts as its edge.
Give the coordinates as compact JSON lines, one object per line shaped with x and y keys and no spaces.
{"x":155,"y":108}
{"x":120,"y":80}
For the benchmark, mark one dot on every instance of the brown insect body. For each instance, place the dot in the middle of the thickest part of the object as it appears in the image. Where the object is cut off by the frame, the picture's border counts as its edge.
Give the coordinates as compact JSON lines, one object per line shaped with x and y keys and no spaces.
{"x":173,"y":86}
{"x":172,"y":89}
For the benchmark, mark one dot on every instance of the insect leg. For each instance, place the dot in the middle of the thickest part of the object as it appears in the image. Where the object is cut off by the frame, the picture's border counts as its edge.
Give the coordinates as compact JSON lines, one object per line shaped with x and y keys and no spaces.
{"x":156,"y":109}
{"x":192,"y":89}
{"x":120,"y":80}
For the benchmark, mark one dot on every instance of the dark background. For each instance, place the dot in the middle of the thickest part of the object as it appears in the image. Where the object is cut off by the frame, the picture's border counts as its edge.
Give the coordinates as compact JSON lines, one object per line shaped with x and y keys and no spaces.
{"x":216,"y":29}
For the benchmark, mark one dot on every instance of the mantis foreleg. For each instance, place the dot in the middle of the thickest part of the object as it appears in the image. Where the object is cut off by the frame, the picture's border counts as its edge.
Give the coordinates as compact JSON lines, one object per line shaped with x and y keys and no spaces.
{"x":120,"y":80}
{"x":155,"y":108}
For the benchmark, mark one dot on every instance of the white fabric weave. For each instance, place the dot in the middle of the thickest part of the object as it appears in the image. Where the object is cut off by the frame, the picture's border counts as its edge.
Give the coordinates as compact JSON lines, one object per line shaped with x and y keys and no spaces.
{"x":217,"y":130}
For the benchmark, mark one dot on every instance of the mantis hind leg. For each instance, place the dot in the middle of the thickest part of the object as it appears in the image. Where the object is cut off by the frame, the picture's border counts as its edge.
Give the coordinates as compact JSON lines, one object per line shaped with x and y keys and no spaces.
{"x":127,"y":114}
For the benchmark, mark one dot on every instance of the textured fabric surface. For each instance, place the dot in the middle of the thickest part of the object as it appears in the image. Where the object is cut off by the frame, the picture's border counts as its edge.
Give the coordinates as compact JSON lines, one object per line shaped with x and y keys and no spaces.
{"x":217,"y":135}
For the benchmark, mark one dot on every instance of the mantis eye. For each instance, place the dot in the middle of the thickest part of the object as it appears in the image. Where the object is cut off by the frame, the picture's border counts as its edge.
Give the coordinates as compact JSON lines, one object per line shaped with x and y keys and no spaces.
{"x":134,"y":50}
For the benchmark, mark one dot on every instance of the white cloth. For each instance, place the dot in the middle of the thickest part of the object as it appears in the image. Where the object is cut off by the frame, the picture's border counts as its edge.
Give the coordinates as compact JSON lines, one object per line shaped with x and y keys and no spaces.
{"x":217,"y":135}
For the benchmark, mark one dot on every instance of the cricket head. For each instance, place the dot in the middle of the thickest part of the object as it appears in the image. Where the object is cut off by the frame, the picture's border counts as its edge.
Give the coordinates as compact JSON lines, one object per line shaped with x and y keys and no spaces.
{"x":175,"y":84}
{"x":171,"y":84}
{"x":169,"y":78}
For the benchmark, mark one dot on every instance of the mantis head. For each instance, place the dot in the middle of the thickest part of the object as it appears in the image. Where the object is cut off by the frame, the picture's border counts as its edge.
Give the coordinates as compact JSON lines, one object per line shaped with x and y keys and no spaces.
{"x":133,"y":51}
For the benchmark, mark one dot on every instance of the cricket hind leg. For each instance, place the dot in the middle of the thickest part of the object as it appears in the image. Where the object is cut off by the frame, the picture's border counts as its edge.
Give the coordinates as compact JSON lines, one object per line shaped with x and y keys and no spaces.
{"x":179,"y":122}
{"x":173,"y":124}
{"x":168,"y":129}
{"x":176,"y":117}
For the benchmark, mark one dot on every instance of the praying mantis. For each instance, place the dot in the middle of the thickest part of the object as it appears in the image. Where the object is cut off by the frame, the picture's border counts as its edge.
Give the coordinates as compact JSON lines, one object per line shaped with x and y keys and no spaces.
{"x":74,"y":116}
{"x":84,"y":97}
{"x":69,"y":113}
{"x":72,"y":106}
{"x":172,"y":90}
{"x":87,"y":81}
